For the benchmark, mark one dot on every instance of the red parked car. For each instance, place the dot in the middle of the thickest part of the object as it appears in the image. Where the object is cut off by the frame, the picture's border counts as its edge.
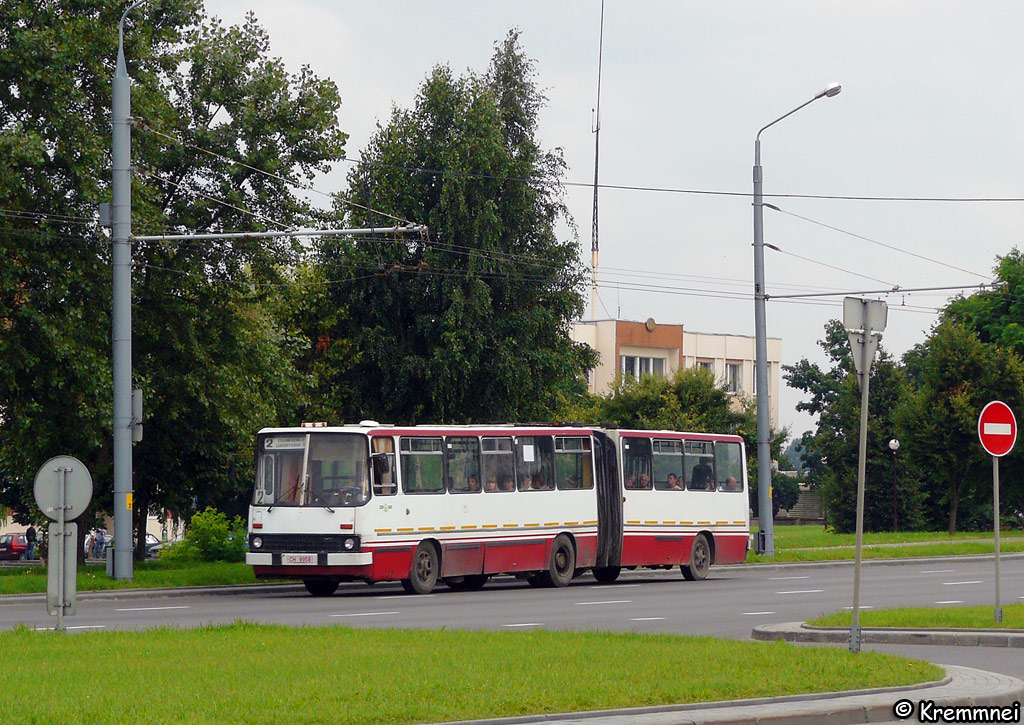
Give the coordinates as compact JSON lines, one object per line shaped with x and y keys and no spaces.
{"x":13,"y":546}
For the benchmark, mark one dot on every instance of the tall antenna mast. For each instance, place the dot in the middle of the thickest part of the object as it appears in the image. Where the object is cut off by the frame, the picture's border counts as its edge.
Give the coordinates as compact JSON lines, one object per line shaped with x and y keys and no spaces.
{"x":597,"y":149}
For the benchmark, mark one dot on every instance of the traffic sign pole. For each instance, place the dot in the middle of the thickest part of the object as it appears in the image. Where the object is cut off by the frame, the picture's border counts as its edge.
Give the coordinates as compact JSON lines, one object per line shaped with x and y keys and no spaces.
{"x":995,"y":511}
{"x":997,"y":431}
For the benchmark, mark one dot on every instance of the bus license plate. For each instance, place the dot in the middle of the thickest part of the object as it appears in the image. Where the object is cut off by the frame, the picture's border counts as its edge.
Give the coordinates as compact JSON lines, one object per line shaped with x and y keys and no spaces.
{"x":302,"y":559}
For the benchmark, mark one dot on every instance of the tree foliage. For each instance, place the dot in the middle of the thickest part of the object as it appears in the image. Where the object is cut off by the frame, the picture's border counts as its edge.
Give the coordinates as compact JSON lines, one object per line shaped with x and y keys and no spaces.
{"x":688,"y":401}
{"x":831,"y":453}
{"x":213,"y":111}
{"x":470,"y":322}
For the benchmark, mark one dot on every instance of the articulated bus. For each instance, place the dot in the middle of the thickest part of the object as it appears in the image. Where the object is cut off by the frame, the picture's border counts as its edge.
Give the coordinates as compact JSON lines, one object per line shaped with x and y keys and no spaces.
{"x":459,"y":504}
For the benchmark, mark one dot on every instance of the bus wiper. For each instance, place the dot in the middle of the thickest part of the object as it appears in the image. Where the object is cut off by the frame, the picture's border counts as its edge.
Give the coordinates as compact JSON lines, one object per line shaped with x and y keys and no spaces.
{"x":288,"y":494}
{"x":326,"y":505}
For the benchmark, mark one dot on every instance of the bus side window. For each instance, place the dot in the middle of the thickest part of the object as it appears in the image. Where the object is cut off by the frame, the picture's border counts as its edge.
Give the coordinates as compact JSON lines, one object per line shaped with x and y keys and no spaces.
{"x":463,"y":458}
{"x":668,"y":465}
{"x":497,"y":464}
{"x":422,"y":465}
{"x":700,"y":464}
{"x":636,"y":463}
{"x":385,"y":484}
{"x":573,"y":464}
{"x":535,"y":463}
{"x":729,"y":466}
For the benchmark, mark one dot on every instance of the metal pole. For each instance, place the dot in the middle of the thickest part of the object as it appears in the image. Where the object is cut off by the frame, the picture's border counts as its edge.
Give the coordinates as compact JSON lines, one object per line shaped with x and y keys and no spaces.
{"x":58,"y":545}
{"x":867,"y":355}
{"x":766,"y":523}
{"x":995,"y":511}
{"x":895,"y":494}
{"x":121,"y":316}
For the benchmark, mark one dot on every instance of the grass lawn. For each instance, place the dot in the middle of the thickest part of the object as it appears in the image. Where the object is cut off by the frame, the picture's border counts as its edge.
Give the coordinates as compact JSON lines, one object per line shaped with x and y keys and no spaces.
{"x":813,"y":543}
{"x":982,"y":617}
{"x":27,"y":580}
{"x":269,"y":673}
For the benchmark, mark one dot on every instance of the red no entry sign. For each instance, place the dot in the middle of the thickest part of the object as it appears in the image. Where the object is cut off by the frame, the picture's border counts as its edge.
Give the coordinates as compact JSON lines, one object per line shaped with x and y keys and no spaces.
{"x":997,"y":428}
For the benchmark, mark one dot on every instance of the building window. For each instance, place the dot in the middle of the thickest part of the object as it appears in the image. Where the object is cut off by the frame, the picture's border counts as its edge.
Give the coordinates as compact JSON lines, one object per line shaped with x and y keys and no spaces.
{"x":733,"y":377}
{"x":708,"y":365}
{"x":636,"y":367}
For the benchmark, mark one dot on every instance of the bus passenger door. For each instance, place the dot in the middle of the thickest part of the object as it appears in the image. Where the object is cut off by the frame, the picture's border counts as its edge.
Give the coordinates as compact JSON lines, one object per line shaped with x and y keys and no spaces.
{"x":609,"y":502}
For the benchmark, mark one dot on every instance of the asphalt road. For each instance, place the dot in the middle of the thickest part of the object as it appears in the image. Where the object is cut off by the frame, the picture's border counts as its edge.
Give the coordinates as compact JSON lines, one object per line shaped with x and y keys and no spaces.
{"x":728,"y":604}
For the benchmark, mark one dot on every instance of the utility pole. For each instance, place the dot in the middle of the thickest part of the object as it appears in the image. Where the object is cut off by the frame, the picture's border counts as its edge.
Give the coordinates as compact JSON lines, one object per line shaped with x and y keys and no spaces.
{"x":121,"y":227}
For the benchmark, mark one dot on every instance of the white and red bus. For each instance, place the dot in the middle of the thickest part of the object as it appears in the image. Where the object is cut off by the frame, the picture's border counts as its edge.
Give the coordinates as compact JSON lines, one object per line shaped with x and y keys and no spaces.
{"x":462,"y":503}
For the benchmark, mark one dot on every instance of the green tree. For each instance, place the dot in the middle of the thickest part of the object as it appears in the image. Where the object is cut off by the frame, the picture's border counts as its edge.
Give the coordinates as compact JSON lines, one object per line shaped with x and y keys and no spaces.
{"x":214,"y":364}
{"x":471,"y":322}
{"x":688,"y":401}
{"x":832,"y":451}
{"x":959,"y":375}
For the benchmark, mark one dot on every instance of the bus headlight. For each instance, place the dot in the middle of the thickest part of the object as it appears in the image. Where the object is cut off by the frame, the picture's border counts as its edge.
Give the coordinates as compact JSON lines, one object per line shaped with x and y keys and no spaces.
{"x":257,"y":542}
{"x":349,"y":544}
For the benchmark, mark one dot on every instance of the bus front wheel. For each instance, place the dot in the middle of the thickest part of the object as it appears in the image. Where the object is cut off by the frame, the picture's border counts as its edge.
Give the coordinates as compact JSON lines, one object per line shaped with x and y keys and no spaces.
{"x":321,"y":587}
{"x":423,"y":571}
{"x":700,"y":560}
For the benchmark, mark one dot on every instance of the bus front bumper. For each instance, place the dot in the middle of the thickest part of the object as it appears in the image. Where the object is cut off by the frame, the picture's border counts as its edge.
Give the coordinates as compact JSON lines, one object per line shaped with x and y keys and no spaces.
{"x":358,"y":558}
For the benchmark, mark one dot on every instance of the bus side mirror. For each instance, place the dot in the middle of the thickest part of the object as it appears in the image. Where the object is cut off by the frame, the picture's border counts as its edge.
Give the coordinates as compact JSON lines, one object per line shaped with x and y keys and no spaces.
{"x":381,"y":467}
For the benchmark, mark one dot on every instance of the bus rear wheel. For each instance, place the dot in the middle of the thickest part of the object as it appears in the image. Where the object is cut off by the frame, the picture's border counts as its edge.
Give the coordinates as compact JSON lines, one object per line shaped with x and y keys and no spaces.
{"x":321,"y":587}
{"x":607,"y":574}
{"x":700,"y":560}
{"x":561,"y":564}
{"x":423,"y":571}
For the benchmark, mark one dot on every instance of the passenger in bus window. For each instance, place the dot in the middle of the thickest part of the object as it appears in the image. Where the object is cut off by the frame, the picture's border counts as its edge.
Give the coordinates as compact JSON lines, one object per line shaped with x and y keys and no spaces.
{"x":701,"y":475}
{"x":473,"y":484}
{"x":731,"y":484}
{"x":527,"y":483}
{"x":507,"y":484}
{"x":630,"y":481}
{"x":539,"y":485}
{"x":645,"y":481}
{"x":492,"y":484}
{"x":673,"y":482}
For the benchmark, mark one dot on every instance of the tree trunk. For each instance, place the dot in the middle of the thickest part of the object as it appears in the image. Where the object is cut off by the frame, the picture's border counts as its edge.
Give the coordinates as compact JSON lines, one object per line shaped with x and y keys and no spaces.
{"x":954,"y":503}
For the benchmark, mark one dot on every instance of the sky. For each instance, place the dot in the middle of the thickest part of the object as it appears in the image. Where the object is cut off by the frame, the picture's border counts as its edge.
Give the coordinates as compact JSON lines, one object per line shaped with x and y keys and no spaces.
{"x":930,"y":108}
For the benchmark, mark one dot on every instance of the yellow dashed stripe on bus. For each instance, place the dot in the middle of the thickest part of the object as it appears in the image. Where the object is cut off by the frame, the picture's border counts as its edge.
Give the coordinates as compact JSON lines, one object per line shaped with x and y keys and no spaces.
{"x":703,"y":523}
{"x":382,"y":531}
{"x":447,"y":528}
{"x":531,"y":524}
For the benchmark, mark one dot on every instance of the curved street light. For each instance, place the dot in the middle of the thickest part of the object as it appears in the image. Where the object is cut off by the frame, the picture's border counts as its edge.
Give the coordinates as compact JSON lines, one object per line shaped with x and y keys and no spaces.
{"x":766,"y":535}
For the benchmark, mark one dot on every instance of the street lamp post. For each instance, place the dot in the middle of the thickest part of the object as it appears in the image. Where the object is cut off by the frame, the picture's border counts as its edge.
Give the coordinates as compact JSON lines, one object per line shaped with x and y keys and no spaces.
{"x":766,"y":535}
{"x":894,"y":445}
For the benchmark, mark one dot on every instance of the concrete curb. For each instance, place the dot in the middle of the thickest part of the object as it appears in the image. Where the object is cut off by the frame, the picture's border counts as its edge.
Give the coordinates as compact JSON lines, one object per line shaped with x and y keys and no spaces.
{"x":963,"y":686}
{"x":801,"y":632}
{"x":217,"y":590}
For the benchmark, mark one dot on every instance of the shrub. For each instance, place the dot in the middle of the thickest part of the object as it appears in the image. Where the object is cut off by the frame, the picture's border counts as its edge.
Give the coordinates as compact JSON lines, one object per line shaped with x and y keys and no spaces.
{"x":211,"y":536}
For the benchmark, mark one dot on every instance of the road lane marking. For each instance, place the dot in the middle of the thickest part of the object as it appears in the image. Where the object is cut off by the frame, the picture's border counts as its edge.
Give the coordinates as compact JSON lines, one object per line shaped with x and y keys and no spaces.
{"x":938,"y":571}
{"x":364,"y":614}
{"x":615,"y":601}
{"x":616,"y":586}
{"x":407,"y":597}
{"x":646,"y":619}
{"x":784,"y":578}
{"x":802,"y":591}
{"x":525,"y":624}
{"x":862,"y":606}
{"x":953,"y":584}
{"x":753,"y":614}
{"x":150,"y":609}
{"x":80,"y":626}
{"x":953,"y":601}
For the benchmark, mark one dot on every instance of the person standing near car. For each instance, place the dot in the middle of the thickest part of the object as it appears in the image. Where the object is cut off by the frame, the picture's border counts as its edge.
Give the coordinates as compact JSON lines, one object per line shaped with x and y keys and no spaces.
{"x":98,"y":541}
{"x":30,"y":537}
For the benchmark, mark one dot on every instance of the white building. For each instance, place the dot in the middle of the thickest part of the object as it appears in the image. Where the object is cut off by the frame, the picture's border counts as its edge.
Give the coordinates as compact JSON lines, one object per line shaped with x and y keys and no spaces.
{"x":638,"y":348}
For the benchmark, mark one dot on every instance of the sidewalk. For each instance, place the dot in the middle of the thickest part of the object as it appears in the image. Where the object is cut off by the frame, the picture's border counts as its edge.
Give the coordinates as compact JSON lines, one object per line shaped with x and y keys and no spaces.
{"x":801,"y":632}
{"x":963,"y":686}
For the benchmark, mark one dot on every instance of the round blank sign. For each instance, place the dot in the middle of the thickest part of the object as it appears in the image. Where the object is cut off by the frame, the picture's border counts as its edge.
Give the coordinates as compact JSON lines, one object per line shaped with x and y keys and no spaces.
{"x":78,"y":491}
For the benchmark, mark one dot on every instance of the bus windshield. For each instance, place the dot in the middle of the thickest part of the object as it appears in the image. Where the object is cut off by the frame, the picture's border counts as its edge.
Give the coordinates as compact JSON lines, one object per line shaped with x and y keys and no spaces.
{"x":312,"y":469}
